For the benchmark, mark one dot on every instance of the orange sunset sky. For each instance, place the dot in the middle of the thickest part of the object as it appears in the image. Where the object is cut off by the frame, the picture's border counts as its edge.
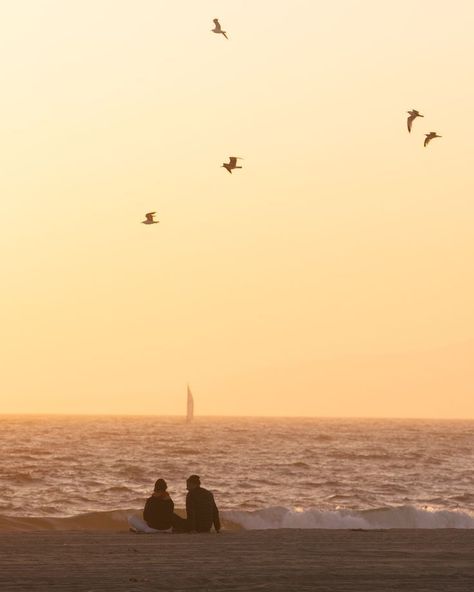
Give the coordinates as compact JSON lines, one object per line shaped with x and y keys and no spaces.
{"x":332,"y":275}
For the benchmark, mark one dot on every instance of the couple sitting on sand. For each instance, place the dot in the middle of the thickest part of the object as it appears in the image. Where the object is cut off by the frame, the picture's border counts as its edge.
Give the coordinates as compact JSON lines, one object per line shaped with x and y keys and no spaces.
{"x":201,"y":509}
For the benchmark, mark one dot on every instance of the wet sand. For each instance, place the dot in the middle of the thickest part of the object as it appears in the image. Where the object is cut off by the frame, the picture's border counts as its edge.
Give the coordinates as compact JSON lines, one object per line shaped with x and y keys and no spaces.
{"x":286,"y":560}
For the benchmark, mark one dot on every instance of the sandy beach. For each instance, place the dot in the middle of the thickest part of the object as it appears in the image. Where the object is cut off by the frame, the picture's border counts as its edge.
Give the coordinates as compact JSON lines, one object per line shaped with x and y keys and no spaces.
{"x":329,"y":560}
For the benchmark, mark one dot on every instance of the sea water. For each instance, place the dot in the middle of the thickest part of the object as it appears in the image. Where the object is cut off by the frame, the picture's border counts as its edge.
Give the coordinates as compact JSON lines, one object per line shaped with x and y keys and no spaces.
{"x":265,"y":473}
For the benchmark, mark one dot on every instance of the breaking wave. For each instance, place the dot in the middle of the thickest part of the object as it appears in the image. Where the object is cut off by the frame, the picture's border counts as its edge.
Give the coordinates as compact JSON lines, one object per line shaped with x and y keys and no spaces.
{"x":115,"y":520}
{"x":268,"y":518}
{"x":380,"y":518}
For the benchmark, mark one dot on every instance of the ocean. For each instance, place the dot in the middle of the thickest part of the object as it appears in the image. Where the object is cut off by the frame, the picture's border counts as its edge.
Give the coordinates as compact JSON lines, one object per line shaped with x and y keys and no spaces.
{"x":64,"y":471}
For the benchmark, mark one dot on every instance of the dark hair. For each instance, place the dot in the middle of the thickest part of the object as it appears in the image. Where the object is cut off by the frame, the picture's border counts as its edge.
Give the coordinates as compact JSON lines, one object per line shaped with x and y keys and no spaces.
{"x":161,"y":485}
{"x":194,"y":479}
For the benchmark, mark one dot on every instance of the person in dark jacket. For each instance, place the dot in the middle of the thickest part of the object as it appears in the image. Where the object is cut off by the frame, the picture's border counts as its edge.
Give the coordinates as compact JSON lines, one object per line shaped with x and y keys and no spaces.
{"x":159,"y":509}
{"x":201,"y":508}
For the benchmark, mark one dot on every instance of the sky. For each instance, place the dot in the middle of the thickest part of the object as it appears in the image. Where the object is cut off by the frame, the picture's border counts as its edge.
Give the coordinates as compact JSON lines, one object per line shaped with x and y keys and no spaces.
{"x":332,"y":275}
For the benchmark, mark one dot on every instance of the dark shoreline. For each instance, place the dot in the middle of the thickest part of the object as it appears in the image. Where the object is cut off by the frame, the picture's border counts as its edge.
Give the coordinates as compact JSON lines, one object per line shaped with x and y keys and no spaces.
{"x":287,"y":560}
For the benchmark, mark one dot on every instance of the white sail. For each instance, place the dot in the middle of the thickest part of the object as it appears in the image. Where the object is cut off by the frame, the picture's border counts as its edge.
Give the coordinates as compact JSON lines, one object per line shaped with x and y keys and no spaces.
{"x":190,"y":407}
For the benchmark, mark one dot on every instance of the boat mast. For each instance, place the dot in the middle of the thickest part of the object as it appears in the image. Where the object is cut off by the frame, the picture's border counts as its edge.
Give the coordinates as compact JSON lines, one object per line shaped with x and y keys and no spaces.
{"x":190,"y":407}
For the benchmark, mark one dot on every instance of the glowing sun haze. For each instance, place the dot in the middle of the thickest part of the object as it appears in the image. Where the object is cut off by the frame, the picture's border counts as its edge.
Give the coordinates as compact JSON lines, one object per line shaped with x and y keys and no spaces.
{"x":332,"y":275}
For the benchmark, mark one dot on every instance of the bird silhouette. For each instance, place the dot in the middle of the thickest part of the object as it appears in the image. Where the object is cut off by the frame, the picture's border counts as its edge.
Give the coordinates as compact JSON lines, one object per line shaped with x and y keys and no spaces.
{"x":218,"y":29}
{"x":232,"y":164}
{"x":413,"y":115}
{"x":429,"y":137}
{"x":150,"y":218}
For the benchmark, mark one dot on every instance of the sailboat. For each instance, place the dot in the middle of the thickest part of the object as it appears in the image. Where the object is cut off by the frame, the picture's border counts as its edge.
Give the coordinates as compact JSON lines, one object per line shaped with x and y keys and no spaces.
{"x":190,"y":407}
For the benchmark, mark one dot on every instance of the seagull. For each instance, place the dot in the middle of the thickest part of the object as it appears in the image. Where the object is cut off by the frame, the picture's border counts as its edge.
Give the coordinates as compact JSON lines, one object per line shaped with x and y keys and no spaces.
{"x":430,"y":137}
{"x":232,"y":164}
{"x":218,"y":29}
{"x":149,"y":218}
{"x":413,"y":115}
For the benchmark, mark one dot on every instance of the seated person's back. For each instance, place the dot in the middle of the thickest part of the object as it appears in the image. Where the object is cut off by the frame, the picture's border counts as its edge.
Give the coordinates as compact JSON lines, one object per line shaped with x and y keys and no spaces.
{"x":159,"y":507}
{"x":201,"y":508}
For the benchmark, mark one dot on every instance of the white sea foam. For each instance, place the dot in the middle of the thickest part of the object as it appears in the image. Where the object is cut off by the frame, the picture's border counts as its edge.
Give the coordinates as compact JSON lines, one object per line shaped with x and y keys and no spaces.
{"x":401,"y":517}
{"x":267,"y":518}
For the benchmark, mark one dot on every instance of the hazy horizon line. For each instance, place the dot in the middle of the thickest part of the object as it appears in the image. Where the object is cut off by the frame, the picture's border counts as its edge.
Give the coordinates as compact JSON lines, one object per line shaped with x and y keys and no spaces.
{"x":183,"y":417}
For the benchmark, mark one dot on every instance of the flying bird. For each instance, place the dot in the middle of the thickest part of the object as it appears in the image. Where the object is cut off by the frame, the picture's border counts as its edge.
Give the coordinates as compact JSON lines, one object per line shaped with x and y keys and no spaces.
{"x":413,"y":115}
{"x":218,"y":29}
{"x":429,"y":137}
{"x":232,"y":164}
{"x":150,"y":218}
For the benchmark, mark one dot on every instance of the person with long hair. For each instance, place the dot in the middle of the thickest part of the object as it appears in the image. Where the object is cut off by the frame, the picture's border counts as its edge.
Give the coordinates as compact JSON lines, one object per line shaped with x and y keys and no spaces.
{"x":159,"y":510}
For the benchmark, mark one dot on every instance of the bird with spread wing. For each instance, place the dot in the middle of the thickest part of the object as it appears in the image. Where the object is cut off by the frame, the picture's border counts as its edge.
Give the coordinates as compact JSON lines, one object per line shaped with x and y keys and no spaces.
{"x":413,"y":115}
{"x":218,"y":29}
{"x":429,"y":137}
{"x":149,"y":218}
{"x":232,"y":164}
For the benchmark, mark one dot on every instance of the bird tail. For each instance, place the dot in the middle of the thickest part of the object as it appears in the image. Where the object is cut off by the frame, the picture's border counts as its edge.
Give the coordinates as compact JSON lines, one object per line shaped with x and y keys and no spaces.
{"x":225,"y":34}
